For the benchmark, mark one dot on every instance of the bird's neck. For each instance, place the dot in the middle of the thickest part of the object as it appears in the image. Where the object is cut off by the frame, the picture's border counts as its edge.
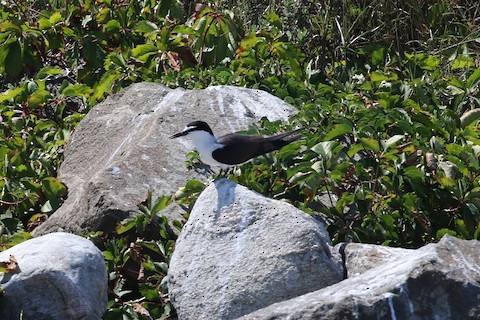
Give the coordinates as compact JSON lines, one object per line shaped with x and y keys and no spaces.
{"x":202,"y":139}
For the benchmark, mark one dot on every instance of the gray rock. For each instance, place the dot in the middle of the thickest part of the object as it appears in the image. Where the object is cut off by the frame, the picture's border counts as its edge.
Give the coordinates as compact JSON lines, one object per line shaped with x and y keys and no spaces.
{"x":122,"y":149}
{"x":59,"y":276}
{"x":437,"y":281}
{"x":360,"y":257}
{"x":240,"y":251}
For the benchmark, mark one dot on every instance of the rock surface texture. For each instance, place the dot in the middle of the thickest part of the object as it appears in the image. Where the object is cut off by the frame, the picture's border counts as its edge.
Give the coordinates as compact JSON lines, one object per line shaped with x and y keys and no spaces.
{"x":240,"y":251}
{"x":437,"y":281}
{"x":59,"y":276}
{"x":122,"y":149}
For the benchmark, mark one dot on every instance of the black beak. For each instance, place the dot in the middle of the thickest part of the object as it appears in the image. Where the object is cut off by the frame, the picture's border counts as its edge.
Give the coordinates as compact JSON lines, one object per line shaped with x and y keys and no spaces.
{"x":180,"y":134}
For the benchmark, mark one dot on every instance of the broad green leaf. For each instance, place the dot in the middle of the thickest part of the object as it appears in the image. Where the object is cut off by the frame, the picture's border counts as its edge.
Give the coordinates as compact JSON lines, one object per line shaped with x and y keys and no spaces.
{"x":339,"y":130}
{"x":145,"y":26}
{"x":126,"y":226}
{"x":473,"y":80}
{"x":144,"y":49}
{"x":54,"y":188}
{"x":113,"y":26}
{"x":441,"y":232}
{"x":14,"y":60}
{"x":461,"y":227}
{"x":184,"y":30}
{"x":378,"y":76}
{"x":108,"y":256}
{"x":104,"y":15}
{"x":149,"y":292}
{"x":44,"y":24}
{"x":40,"y":97}
{"x":55,"y":18}
{"x":47,"y":71}
{"x":8,"y":26}
{"x":354,"y":149}
{"x":327,"y":149}
{"x":392,"y":141}
{"x":416,"y":179}
{"x":77,"y":90}
{"x":161,"y":203}
{"x":105,"y":85}
{"x":370,"y":144}
{"x":10,"y":94}
{"x":463,"y":62}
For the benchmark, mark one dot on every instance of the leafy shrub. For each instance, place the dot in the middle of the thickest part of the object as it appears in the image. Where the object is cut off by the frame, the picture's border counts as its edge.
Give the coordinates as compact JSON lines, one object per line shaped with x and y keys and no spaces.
{"x":137,"y":256}
{"x":389,"y":99}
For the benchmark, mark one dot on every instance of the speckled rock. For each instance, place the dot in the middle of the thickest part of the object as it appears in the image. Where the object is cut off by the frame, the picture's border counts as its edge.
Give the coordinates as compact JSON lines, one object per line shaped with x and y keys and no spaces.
{"x":437,"y":281}
{"x":59,"y":276}
{"x":240,"y":251}
{"x":121,"y":149}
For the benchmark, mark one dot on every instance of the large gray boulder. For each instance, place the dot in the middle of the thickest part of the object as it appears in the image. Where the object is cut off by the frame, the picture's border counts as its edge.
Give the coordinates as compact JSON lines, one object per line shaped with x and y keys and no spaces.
{"x":437,"y":281}
{"x":59,"y":276}
{"x":240,"y":252}
{"x":121,"y":150}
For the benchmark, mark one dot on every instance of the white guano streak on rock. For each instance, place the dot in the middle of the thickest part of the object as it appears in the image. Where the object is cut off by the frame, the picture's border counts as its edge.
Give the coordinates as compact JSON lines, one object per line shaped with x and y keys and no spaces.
{"x":467,"y":264}
{"x":168,"y":100}
{"x":392,"y":309}
{"x":227,"y":269}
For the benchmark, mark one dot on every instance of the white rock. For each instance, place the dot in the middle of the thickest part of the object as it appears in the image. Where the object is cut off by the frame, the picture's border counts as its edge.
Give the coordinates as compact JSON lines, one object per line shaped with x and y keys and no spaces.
{"x":240,"y":251}
{"x":59,"y":276}
{"x":122,"y":148}
{"x":437,"y":281}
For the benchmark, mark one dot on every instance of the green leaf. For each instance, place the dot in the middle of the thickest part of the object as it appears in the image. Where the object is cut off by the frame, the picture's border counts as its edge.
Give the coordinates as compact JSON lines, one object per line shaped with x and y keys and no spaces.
{"x":416,"y":179}
{"x":10,"y":94}
{"x":473,"y":80}
{"x":77,"y":90}
{"x":105,"y":85}
{"x":14,"y":60}
{"x":149,"y":292}
{"x":40,"y":97}
{"x":144,"y":50}
{"x":327,"y":149}
{"x":54,"y":188}
{"x":126,"y":226}
{"x":392,"y":141}
{"x":48,"y":71}
{"x":113,"y":26}
{"x":378,"y":76}
{"x":441,"y":232}
{"x":145,"y":26}
{"x":44,"y":24}
{"x":107,"y":255}
{"x":370,"y":144}
{"x":339,"y":130}
{"x":461,"y":228}
{"x":463,"y":62}
{"x":184,"y":30}
{"x":161,"y":203}
{"x":55,"y":18}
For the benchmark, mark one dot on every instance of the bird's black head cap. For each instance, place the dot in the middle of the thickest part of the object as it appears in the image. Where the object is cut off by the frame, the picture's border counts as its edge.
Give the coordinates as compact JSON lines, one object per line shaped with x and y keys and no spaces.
{"x":194,"y":126}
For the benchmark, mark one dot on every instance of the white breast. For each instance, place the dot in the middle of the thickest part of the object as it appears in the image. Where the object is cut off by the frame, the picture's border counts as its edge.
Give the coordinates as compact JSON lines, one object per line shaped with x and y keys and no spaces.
{"x":205,"y":144}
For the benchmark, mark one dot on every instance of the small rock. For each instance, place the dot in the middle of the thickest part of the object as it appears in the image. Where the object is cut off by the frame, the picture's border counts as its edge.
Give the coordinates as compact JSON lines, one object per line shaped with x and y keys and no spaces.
{"x":59,"y":276}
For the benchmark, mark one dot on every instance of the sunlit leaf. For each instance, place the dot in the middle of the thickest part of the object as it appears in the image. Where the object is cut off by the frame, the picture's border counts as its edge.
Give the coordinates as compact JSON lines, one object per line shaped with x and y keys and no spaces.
{"x":339,"y":130}
{"x":145,"y":26}
{"x":370,"y":144}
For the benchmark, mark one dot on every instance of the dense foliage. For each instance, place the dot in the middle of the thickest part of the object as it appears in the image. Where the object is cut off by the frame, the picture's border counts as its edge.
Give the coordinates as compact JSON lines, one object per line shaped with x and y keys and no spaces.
{"x":388,"y":92}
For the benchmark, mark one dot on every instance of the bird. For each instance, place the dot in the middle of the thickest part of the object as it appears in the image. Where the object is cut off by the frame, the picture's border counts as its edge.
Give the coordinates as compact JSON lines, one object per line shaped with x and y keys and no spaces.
{"x":232,"y":149}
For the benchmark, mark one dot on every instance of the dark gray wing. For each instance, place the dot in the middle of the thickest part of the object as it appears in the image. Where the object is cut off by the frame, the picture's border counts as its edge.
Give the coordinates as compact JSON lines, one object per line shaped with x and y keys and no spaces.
{"x":241,"y":148}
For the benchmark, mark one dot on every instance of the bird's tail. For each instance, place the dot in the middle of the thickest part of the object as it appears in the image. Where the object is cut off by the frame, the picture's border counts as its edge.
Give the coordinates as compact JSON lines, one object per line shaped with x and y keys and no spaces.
{"x":280,"y":140}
